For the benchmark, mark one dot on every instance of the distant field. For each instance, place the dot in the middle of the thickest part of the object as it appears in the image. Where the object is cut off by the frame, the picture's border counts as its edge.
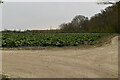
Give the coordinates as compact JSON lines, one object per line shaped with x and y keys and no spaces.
{"x":11,"y":39}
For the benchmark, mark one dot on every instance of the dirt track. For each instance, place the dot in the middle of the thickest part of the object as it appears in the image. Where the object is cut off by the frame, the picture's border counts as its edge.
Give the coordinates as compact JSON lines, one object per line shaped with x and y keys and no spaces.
{"x":100,"y":62}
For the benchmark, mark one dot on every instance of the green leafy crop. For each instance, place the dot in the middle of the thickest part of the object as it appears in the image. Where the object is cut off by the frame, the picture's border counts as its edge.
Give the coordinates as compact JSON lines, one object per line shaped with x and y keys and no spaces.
{"x":10,"y":39}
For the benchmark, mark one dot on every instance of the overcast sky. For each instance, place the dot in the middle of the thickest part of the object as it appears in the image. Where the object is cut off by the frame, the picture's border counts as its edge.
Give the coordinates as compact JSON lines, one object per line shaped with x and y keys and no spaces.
{"x":43,"y":15}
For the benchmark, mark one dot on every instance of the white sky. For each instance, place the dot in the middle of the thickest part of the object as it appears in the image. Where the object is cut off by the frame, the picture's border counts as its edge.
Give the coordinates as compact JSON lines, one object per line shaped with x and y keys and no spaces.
{"x":56,"y":0}
{"x":43,"y":15}
{"x":50,"y":0}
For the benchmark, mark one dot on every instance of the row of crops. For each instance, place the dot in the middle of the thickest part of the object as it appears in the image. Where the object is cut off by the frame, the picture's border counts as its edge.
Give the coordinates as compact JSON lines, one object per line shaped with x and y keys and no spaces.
{"x":10,"y":39}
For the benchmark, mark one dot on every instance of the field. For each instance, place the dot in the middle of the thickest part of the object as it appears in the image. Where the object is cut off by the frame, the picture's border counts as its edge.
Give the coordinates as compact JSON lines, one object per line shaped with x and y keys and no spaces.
{"x":11,"y":39}
{"x":98,"y":62}
{"x":75,"y":62}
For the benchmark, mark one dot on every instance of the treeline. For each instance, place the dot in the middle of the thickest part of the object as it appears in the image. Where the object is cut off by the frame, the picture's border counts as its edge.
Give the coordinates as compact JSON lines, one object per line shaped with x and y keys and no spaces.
{"x":106,"y":21}
{"x":40,"y":31}
{"x":35,"y":31}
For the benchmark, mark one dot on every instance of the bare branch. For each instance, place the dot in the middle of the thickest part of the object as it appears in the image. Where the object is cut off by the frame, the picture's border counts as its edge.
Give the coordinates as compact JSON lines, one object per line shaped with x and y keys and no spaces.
{"x":1,"y":1}
{"x":105,"y":3}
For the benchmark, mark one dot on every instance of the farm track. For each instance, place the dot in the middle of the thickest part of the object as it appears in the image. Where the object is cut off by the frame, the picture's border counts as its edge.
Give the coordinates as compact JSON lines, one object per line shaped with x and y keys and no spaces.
{"x":100,"y":62}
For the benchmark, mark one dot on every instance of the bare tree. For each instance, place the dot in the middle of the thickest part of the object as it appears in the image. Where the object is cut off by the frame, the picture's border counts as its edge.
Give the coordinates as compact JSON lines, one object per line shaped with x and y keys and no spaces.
{"x":78,"y":20}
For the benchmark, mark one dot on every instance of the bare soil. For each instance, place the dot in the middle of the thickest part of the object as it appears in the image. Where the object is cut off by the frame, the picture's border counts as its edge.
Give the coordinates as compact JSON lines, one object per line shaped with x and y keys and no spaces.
{"x":99,"y":62}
